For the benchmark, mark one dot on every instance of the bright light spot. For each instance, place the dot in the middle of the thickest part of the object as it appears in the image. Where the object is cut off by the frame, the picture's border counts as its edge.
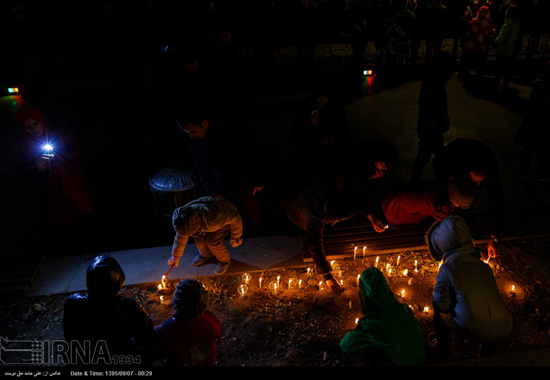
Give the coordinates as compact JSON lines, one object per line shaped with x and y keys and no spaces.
{"x":48,"y":147}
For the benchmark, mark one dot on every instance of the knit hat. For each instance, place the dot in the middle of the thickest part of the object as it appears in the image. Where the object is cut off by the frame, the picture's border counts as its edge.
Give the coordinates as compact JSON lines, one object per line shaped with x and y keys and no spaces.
{"x":190,"y":300}
{"x":104,"y":277}
{"x":186,"y":221}
{"x":461,"y":192}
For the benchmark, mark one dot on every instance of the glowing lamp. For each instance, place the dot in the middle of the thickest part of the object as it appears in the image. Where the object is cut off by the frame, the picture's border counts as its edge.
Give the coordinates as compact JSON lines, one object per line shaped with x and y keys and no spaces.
{"x":13,"y":90}
{"x":48,"y":147}
{"x":242,"y":289}
{"x":368,"y":73}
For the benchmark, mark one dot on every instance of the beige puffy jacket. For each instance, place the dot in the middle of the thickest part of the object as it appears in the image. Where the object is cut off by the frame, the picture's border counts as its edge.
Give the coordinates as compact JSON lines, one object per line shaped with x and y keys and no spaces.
{"x":210,"y":214}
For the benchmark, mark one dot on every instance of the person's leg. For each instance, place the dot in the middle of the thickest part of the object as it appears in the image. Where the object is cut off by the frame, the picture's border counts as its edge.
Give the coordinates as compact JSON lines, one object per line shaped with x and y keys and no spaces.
{"x":426,"y":146}
{"x":202,"y":246}
{"x":214,"y":240}
{"x":442,"y":333}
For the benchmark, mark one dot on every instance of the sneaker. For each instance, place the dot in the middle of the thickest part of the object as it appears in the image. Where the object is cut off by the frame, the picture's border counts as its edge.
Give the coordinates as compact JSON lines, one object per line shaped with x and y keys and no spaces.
{"x":199,"y":260}
{"x":221,"y":268}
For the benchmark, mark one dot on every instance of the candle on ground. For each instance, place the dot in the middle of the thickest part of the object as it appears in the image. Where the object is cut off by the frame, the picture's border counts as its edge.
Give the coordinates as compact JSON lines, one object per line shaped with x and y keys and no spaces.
{"x":278,"y":280}
{"x":300,"y":284}
{"x":356,"y":320}
{"x":405,"y":272}
{"x":398,"y":257}
{"x":161,"y":299}
{"x":320,"y":285}
{"x":289,"y":281}
{"x":350,"y":304}
{"x":260,"y":283}
{"x":358,"y":277}
{"x":376,"y":262}
{"x":164,"y":282}
{"x":513,"y":289}
{"x":426,"y":309}
{"x":415,"y":265}
{"x":403,"y":293}
{"x":355,"y":253}
{"x":364,"y":251}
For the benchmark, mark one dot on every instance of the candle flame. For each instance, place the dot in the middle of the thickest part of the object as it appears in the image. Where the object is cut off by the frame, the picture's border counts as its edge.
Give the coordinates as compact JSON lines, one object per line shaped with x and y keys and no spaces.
{"x":405,"y":272}
{"x":356,"y":320}
{"x":403,"y":293}
{"x":426,"y":309}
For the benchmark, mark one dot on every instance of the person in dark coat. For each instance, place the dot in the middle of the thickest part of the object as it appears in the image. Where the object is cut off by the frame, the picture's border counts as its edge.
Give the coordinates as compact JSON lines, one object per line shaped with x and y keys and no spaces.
{"x":103,"y":314}
{"x":188,"y":338}
{"x":49,"y":156}
{"x":466,"y":297}
{"x":228,"y":162}
{"x":388,"y":334}
{"x":533,"y":133}
{"x":413,"y":203}
{"x":324,"y":202}
{"x":320,"y":130}
{"x":474,"y":161}
{"x":433,"y":118}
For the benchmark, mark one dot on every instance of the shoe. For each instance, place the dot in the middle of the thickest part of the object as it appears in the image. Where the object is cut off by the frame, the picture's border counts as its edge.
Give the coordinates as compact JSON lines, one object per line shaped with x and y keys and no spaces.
{"x":199,"y":260}
{"x":334,"y":286}
{"x":221,"y":268}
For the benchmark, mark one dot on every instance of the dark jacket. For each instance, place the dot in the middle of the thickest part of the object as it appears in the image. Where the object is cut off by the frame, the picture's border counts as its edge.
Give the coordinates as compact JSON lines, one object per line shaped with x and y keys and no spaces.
{"x":319,"y":203}
{"x":534,"y":129}
{"x":463,"y":155}
{"x":227,"y":160}
{"x":465,"y":285}
{"x":388,"y":333}
{"x":104,"y":314}
{"x":63,"y":191}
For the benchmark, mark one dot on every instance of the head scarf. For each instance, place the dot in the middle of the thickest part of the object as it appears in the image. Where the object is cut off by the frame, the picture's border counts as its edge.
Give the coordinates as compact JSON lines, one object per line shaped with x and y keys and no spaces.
{"x":190,"y":300}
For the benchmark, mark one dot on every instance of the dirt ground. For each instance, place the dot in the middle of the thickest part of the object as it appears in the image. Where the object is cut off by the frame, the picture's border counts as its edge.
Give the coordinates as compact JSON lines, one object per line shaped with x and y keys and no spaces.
{"x":302,"y":325}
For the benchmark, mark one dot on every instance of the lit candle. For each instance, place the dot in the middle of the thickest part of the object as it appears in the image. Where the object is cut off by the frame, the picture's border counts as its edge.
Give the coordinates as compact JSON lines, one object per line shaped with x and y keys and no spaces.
{"x":513,"y":289}
{"x":386,"y":227}
{"x":260,"y":282}
{"x":289,"y":281}
{"x":332,"y":262}
{"x":356,"y":320}
{"x":163,"y":281}
{"x":389,"y":272}
{"x":308,"y":269}
{"x":403,"y":293}
{"x":410,"y":280}
{"x":358,"y":277}
{"x":405,"y":272}
{"x":278,"y":280}
{"x":342,"y":282}
{"x":355,"y":253}
{"x":387,"y":266}
{"x":364,"y":251}
{"x":376,"y":263}
{"x":160,"y":286}
{"x":415,"y":267}
{"x":398,"y":257}
{"x":300,"y":284}
{"x":426,"y":309}
{"x":246,"y":278}
{"x":350,"y":304}
{"x":320,"y":285}
{"x":439,"y":266}
{"x":161,"y":299}
{"x":242,"y":290}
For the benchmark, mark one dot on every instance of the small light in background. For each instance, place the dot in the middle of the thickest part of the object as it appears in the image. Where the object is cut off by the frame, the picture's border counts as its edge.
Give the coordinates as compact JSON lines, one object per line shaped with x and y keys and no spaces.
{"x":13,"y":90}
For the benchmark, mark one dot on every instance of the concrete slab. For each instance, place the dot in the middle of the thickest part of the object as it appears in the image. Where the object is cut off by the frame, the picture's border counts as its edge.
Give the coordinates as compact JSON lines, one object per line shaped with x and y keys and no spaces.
{"x":144,"y":266}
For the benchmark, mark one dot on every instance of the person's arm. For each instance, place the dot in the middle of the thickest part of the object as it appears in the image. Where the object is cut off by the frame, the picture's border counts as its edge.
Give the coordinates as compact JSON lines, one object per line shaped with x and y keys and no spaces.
{"x":315,"y":233}
{"x":442,"y":291}
{"x":177,"y":249}
{"x":235,"y":226}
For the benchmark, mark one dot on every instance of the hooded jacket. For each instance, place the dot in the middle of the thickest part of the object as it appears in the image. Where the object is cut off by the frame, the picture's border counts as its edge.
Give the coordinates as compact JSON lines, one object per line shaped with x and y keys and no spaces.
{"x":388,"y":333}
{"x":201,"y":216}
{"x":479,"y":29}
{"x":187,"y":339}
{"x":104,"y":314}
{"x":465,"y":285}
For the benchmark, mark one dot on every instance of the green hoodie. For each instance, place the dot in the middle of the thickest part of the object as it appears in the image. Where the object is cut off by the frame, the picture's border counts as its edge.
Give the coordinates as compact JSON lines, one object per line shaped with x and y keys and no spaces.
{"x":388,"y":333}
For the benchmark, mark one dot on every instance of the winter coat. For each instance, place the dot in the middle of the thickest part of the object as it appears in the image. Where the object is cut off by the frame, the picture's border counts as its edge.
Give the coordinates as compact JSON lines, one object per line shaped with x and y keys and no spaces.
{"x":461,"y":156}
{"x":62,"y":189}
{"x":212,"y":214}
{"x":506,"y":39}
{"x":227,"y":160}
{"x":415,"y":202}
{"x":188,"y":343}
{"x":104,"y":314}
{"x":388,"y":333}
{"x":479,"y":30}
{"x":465,"y":286}
{"x":534,"y":128}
